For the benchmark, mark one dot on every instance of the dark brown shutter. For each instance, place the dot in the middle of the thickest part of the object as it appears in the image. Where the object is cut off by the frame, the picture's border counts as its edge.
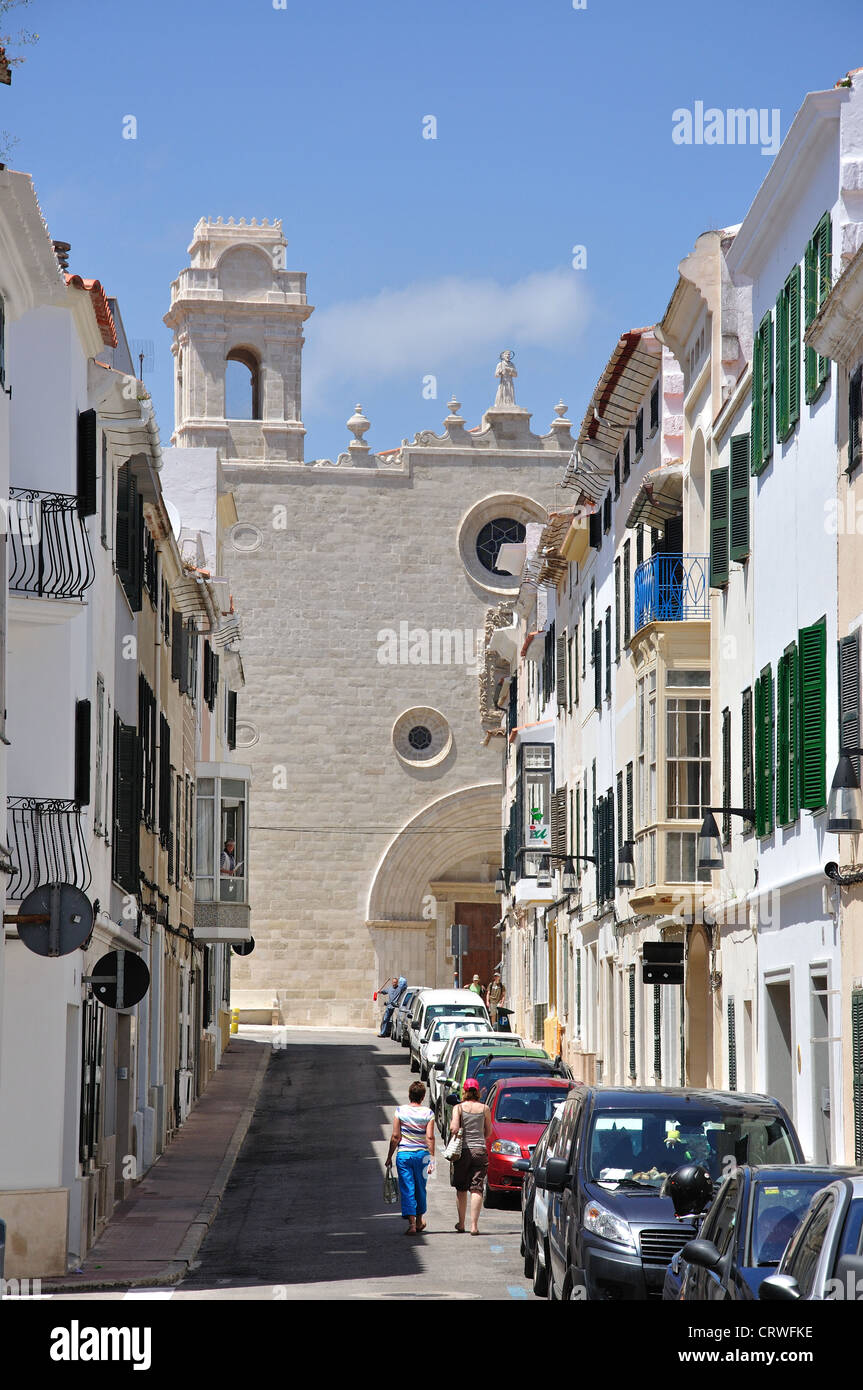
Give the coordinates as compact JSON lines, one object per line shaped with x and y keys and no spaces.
{"x":127,"y":801}
{"x":82,"y":752}
{"x":178,"y":664}
{"x":87,"y":433}
{"x":164,"y":781}
{"x":560,"y":672}
{"x":558,"y":822}
{"x":232,"y":718}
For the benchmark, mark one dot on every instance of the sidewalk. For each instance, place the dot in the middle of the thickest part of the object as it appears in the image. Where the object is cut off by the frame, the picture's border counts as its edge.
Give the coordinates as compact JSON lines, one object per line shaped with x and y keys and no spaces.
{"x":155,"y":1234}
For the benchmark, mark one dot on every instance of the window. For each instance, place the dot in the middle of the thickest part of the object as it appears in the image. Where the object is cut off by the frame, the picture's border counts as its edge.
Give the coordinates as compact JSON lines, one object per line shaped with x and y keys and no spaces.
{"x":82,"y":752}
{"x":719,"y":528}
{"x":762,"y":395}
{"x":129,"y":536}
{"x":597,"y":666}
{"x":595,"y":529}
{"x":147,"y":736}
{"x":764,"y":750}
{"x":639,"y":545}
{"x":626,"y":438}
{"x":804,"y":1251}
{"x":178,"y":832}
{"x":583,"y":638}
{"x":818,"y":274}
{"x":732,"y":1046}
{"x":107,"y":495}
{"x":630,"y":806}
{"x":627,"y":594}
{"x":191,"y":660}
{"x":189,"y":828}
{"x":620,"y":820}
{"x":573,"y":669}
{"x":726,"y":774}
{"x":739,"y":498}
{"x":547,"y":668}
{"x":608,"y":653}
{"x":812,"y":643}
{"x":639,"y":433}
{"x":606,"y":513}
{"x":151,"y":569}
{"x":681,"y":856}
{"x":164,"y":783}
{"x":617,"y":476}
{"x":502,"y":531}
{"x":221,"y":836}
{"x":127,"y":806}
{"x":788,"y":356}
{"x":535,"y":783}
{"x":857,"y":1070}
{"x":786,"y":737}
{"x":849,"y":694}
{"x":646,"y":747}
{"x":211,"y":676}
{"x":687,"y":757}
{"x":98,"y":788}
{"x":747,"y":765}
{"x":855,"y":419}
{"x":242,"y":385}
{"x":561,"y":675}
{"x":654,"y":409}
{"x":617,"y":609}
{"x":88,"y":443}
{"x":89,"y":1127}
{"x":632,"y":1023}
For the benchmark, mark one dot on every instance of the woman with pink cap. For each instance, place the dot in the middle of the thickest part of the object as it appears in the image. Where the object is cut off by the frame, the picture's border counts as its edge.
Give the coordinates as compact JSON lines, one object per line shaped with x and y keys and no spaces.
{"x":467,"y":1173}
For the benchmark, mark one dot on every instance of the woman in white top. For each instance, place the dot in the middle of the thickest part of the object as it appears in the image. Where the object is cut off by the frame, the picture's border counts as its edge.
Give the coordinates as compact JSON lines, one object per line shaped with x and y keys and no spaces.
{"x":414,"y":1137}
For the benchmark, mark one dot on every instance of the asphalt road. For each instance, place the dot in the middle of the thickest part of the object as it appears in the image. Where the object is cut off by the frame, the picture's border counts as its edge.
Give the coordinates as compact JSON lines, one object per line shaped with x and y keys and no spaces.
{"x":303,"y":1216}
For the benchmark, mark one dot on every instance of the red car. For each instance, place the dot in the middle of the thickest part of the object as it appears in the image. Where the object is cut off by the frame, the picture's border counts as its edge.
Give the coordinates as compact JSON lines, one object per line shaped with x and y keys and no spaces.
{"x":521,"y":1107}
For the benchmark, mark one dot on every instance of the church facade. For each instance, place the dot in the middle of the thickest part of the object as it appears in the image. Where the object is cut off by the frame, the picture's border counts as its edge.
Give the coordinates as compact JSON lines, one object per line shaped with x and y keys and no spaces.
{"x":364,"y":582}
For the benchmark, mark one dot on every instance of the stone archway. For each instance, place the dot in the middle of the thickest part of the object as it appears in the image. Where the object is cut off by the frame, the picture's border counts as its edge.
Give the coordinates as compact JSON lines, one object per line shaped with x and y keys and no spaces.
{"x":445,"y":856}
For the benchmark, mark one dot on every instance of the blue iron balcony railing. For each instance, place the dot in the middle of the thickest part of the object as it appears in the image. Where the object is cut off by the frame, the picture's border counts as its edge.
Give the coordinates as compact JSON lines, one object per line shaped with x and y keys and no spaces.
{"x":671,"y":588}
{"x":50,"y":554}
{"x":46,"y":844}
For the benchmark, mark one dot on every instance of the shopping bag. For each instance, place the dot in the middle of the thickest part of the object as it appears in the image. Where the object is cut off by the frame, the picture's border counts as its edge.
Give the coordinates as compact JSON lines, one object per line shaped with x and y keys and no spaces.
{"x":391,"y":1187}
{"x":453,"y":1148}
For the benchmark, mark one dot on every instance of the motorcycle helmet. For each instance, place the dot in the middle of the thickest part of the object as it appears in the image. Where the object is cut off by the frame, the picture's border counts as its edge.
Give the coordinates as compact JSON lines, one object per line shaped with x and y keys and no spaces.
{"x":690,"y":1189}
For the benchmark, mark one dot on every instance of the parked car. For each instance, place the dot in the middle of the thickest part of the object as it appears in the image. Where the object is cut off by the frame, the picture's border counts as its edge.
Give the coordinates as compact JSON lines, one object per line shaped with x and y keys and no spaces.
{"x":824,"y":1259}
{"x":440,"y":1072}
{"x":521,"y":1108}
{"x":397,"y":1029}
{"x":754,"y":1215}
{"x":612,"y":1233}
{"x":438,"y":1034}
{"x":534,"y":1203}
{"x":488,"y":1065}
{"x":435,"y":1003}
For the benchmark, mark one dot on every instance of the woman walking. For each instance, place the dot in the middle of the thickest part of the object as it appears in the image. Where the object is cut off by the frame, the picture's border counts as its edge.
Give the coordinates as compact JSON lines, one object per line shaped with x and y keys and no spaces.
{"x":414,"y":1137}
{"x":468,"y":1172}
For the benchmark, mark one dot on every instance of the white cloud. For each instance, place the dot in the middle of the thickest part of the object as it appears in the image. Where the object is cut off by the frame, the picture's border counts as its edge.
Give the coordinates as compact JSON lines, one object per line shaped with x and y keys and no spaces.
{"x":427,"y":328}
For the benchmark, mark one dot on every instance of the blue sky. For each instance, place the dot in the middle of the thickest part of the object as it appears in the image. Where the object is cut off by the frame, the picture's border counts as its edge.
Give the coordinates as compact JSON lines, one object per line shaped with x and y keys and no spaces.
{"x":424,"y":257}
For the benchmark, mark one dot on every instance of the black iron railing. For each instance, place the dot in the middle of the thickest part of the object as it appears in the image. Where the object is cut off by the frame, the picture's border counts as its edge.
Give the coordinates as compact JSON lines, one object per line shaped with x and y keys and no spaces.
{"x":50,"y":554}
{"x":46,"y":844}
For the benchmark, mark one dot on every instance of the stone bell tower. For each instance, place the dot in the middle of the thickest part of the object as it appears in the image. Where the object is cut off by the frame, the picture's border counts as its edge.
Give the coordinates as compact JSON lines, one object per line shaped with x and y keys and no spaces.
{"x":236,"y":302}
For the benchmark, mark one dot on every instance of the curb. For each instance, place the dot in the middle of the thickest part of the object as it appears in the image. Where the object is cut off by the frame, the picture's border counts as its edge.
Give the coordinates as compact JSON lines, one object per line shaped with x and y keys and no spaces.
{"x":194,"y":1238}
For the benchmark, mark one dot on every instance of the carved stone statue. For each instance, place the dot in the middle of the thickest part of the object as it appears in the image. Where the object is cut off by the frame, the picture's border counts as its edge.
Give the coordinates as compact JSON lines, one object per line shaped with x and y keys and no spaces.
{"x":505,"y":372}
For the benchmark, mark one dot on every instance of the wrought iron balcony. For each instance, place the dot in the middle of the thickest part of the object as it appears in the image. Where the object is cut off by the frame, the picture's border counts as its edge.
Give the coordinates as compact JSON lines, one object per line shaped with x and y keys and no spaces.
{"x":50,"y":549}
{"x":46,"y":844}
{"x":671,"y":588}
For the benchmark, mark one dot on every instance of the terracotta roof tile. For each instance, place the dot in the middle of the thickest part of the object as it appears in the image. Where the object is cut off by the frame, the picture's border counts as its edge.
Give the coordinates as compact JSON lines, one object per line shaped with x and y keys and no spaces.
{"x":104,"y":317}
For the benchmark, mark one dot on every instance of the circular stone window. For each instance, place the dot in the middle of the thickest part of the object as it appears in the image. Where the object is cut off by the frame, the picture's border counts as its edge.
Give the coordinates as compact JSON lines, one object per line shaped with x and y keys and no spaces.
{"x":247,"y":735}
{"x":246,"y":537}
{"x":503,"y":530}
{"x":422,"y":737}
{"x":498,"y":520}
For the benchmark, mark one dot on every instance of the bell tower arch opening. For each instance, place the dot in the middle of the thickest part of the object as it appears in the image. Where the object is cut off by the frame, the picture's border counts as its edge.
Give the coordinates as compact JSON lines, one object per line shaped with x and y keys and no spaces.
{"x":242,"y":385}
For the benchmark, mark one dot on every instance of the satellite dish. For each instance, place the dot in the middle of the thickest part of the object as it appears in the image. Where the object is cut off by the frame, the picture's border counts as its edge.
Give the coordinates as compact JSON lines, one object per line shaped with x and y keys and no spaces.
{"x":66,"y":919}
{"x":244,"y":948}
{"x":120,"y":979}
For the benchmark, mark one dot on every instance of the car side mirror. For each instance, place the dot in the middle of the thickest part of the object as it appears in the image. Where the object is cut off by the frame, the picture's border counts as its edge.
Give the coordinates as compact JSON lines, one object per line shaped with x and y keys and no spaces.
{"x":555,"y":1174}
{"x":703,"y":1253}
{"x":779,"y":1288}
{"x":521,"y":1165}
{"x":437,"y":1066}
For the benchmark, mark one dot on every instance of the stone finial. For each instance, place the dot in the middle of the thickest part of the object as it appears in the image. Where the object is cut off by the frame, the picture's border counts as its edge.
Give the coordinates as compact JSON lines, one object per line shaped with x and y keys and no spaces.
{"x":453,"y":419}
{"x":358,"y":424}
{"x":560,"y":427}
{"x":560,"y":410}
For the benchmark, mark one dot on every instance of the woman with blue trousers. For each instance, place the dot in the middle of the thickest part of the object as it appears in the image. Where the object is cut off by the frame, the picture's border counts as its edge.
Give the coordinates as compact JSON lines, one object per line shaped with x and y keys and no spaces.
{"x":412,"y":1141}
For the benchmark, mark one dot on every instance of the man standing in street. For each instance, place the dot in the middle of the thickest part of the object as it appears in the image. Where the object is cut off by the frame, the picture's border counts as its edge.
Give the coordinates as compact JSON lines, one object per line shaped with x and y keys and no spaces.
{"x":392,"y":994}
{"x":494,"y":997}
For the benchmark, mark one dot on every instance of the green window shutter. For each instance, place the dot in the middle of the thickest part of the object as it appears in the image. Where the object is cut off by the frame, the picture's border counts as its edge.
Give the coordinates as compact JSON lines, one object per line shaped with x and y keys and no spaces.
{"x":739,"y":526}
{"x":793,"y":288}
{"x":746,"y":734}
{"x":810,"y":309}
{"x":632,"y":1066}
{"x":759,"y":757}
{"x":726,"y":774}
{"x":782,"y":364}
{"x":732,"y":1047}
{"x":755,"y":425}
{"x":849,"y":694}
{"x":812,"y":722}
{"x":855,"y":432}
{"x":825,"y":280}
{"x":857,"y":1070}
{"x":719,"y":528}
{"x":766,"y":389}
{"x":793,"y":735}
{"x":782,"y":748}
{"x":769,"y":737}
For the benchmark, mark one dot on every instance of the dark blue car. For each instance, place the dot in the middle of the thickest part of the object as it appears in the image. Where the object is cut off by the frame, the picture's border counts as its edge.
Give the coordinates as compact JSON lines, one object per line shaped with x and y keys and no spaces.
{"x":753,"y":1217}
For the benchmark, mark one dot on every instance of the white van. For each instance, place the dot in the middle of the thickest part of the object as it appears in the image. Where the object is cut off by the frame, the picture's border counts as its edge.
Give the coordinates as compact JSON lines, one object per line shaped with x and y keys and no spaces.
{"x":434,"y":1003}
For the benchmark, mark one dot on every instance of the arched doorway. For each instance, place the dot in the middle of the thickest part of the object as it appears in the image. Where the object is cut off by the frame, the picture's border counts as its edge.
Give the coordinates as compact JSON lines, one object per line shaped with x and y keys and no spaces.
{"x":439,"y":871}
{"x":699,"y":1011}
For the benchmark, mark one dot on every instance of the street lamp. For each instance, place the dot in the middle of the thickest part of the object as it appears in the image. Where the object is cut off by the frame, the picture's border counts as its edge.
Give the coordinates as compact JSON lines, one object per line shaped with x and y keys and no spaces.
{"x":500,"y":882}
{"x":625,"y":865}
{"x":569,"y":882}
{"x":709,"y":842}
{"x":845,"y":803}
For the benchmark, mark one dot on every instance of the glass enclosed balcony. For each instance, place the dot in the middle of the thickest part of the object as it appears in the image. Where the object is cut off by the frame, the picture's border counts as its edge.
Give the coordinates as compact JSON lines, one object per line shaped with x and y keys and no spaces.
{"x":222,"y":845}
{"x":671,"y":588}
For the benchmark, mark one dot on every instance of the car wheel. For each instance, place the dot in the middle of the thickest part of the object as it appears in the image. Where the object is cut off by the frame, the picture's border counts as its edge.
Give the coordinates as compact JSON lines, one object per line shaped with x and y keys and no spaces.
{"x":490,"y":1198}
{"x":415,"y":1066}
{"x":540,"y":1274}
{"x":529,"y":1260}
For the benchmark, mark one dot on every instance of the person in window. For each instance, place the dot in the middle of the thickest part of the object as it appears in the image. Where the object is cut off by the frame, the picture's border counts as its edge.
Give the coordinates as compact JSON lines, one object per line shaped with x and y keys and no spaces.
{"x":228,"y":862}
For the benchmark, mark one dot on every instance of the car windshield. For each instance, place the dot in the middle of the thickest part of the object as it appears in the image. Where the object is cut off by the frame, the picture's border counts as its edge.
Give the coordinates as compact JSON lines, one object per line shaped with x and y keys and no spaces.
{"x":779,"y":1208}
{"x":463,"y":1010}
{"x":439,"y":1032}
{"x":514,"y":1066}
{"x":528,"y":1105}
{"x":648,"y":1145}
